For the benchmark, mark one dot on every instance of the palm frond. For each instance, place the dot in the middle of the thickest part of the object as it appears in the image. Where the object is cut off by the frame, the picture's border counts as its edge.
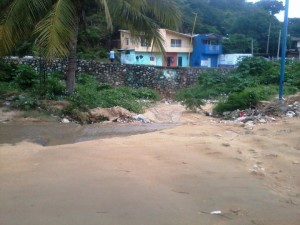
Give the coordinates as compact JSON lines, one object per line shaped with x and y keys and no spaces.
{"x":17,"y":19}
{"x":107,"y":13}
{"x":140,"y":18}
{"x":56,"y":30}
{"x":165,"y":11}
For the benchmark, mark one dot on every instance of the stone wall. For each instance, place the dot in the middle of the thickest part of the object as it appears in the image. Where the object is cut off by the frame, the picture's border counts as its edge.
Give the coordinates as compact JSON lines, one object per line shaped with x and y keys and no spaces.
{"x":165,"y":80}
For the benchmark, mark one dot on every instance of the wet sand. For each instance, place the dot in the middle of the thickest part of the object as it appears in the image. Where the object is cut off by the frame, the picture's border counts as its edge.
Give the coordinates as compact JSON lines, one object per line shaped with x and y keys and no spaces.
{"x":168,"y":177}
{"x":54,"y":133}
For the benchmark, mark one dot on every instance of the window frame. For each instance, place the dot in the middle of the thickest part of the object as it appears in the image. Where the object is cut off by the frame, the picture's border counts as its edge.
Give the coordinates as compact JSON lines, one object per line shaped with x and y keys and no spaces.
{"x":176,"y":43}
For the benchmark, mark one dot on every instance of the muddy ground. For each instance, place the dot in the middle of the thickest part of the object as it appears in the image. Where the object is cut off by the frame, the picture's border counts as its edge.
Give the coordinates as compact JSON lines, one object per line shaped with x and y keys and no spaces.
{"x":174,"y":176}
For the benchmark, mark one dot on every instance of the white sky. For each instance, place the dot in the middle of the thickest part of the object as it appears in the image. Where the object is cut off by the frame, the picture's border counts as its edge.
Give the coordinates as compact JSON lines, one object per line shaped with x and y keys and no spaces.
{"x":294,"y":9}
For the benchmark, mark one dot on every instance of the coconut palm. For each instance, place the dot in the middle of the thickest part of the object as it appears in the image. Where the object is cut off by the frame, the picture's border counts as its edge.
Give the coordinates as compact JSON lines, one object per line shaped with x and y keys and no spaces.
{"x":55,"y":24}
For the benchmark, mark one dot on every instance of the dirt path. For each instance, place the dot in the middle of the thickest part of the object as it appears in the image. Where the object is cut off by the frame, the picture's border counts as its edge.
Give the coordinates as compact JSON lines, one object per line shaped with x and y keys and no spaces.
{"x":169,"y":177}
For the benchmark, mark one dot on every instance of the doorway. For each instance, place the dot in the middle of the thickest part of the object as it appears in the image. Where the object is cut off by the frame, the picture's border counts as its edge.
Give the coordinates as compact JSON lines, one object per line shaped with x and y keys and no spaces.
{"x":180,"y":61}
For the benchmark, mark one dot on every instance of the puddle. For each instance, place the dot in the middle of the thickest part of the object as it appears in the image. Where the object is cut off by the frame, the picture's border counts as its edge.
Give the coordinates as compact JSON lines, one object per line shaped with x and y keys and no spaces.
{"x":51,"y":133}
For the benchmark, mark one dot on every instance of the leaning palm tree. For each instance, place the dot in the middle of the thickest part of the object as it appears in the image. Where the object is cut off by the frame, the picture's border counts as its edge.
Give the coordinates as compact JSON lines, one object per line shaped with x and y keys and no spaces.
{"x":55,"y":24}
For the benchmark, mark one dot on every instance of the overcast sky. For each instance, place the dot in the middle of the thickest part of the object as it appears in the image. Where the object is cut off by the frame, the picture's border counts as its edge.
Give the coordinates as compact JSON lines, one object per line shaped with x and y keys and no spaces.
{"x":294,"y":9}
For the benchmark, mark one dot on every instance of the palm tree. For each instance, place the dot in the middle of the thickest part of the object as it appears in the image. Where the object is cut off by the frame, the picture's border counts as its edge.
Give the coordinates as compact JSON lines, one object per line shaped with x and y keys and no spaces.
{"x":55,"y":24}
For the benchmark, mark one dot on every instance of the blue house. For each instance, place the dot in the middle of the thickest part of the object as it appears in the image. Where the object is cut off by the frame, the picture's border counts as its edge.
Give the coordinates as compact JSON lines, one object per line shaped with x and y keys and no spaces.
{"x":206,"y":49}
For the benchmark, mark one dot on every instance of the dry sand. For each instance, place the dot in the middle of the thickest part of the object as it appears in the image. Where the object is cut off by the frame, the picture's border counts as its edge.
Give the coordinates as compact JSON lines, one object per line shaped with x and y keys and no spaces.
{"x":170,"y":177}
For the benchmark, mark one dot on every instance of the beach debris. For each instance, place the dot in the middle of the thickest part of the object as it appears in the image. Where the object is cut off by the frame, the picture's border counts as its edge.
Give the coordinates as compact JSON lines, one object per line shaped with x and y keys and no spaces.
{"x":216,"y":212}
{"x":65,"y":120}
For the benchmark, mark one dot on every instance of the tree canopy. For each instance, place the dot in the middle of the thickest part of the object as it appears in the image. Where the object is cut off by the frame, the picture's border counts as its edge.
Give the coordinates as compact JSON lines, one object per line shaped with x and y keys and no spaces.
{"x":229,"y":18}
{"x":55,"y":24}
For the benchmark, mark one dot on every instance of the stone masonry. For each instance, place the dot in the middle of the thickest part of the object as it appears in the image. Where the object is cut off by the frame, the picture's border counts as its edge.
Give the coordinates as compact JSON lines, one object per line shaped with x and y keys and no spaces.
{"x":166,"y":80}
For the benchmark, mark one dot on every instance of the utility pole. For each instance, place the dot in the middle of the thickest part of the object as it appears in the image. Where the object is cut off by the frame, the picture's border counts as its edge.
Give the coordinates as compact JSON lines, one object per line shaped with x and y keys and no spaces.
{"x":283,"y":49}
{"x":252,"y":46}
{"x":189,"y":57}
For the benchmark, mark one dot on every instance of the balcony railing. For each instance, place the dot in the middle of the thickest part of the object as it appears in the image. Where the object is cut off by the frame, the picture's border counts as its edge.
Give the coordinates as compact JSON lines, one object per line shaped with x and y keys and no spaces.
{"x":212,"y":49}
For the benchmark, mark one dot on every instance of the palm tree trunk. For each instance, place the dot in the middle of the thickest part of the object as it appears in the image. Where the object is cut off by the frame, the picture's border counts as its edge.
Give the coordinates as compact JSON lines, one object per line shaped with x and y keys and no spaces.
{"x":72,"y":62}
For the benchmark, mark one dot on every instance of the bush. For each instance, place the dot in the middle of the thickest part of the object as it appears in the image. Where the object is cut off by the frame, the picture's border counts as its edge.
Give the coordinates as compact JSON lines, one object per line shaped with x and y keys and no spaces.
{"x":26,"y":77}
{"x":140,"y":93}
{"x":26,"y":102}
{"x":255,"y":79}
{"x":90,"y":94}
{"x":192,"y":97}
{"x":7,"y":89}
{"x":248,"y":98}
{"x":213,"y":83}
{"x":255,"y":66}
{"x":7,"y":71}
{"x":265,"y":72}
{"x":54,"y":87}
{"x":237,"y":100}
{"x":292,"y":76}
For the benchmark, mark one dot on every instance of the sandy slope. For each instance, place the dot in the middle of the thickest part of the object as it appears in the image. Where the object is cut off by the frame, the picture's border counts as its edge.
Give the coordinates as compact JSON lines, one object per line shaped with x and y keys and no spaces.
{"x":169,"y":177}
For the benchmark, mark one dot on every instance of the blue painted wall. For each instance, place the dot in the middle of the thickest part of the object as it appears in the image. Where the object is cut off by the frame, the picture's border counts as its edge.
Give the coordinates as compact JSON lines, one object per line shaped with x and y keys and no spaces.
{"x":141,"y":58}
{"x":204,"y":55}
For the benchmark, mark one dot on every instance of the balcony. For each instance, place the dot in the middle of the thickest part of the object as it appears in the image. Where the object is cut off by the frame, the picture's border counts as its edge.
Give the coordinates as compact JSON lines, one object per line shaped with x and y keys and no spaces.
{"x":183,"y":47}
{"x":212,"y":49}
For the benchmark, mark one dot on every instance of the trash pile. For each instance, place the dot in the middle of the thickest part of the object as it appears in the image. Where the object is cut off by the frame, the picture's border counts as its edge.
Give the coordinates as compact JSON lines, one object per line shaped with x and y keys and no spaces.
{"x":265,"y":112}
{"x":113,"y":114}
{"x":132,"y":118}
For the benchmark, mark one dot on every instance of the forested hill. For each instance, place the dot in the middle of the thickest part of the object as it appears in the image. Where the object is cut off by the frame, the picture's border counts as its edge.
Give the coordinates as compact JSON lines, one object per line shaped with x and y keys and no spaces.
{"x":239,"y":22}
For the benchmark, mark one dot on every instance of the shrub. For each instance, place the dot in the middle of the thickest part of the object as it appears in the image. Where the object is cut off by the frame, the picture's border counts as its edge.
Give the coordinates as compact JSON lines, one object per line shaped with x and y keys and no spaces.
{"x":248,"y":98}
{"x":7,"y":71}
{"x":26,"y":77}
{"x":191,"y":97}
{"x":255,"y":66}
{"x":237,"y":100}
{"x":292,"y":76}
{"x":26,"y":102}
{"x":54,"y":87}
{"x":84,"y":78}
{"x":7,"y":88}
{"x":264,"y":71}
{"x":213,"y":83}
{"x":140,"y":93}
{"x":90,"y":94}
{"x":255,"y":78}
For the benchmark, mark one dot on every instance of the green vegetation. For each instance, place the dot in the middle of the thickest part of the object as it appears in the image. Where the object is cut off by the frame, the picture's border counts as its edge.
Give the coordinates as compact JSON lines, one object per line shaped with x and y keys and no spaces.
{"x":254,"y":80}
{"x":54,"y":27}
{"x":235,"y":20}
{"x":23,"y":87}
{"x":91,"y":94}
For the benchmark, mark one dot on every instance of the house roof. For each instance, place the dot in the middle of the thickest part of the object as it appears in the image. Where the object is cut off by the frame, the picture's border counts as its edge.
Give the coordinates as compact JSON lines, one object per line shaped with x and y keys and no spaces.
{"x":210,"y":36}
{"x":295,"y":38}
{"x":167,"y":30}
{"x":175,"y":32}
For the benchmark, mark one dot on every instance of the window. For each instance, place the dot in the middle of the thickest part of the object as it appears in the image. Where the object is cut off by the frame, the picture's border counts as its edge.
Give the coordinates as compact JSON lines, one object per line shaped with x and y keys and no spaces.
{"x":152,"y":58}
{"x":127,"y":41}
{"x":144,"y":42}
{"x":175,"y":42}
